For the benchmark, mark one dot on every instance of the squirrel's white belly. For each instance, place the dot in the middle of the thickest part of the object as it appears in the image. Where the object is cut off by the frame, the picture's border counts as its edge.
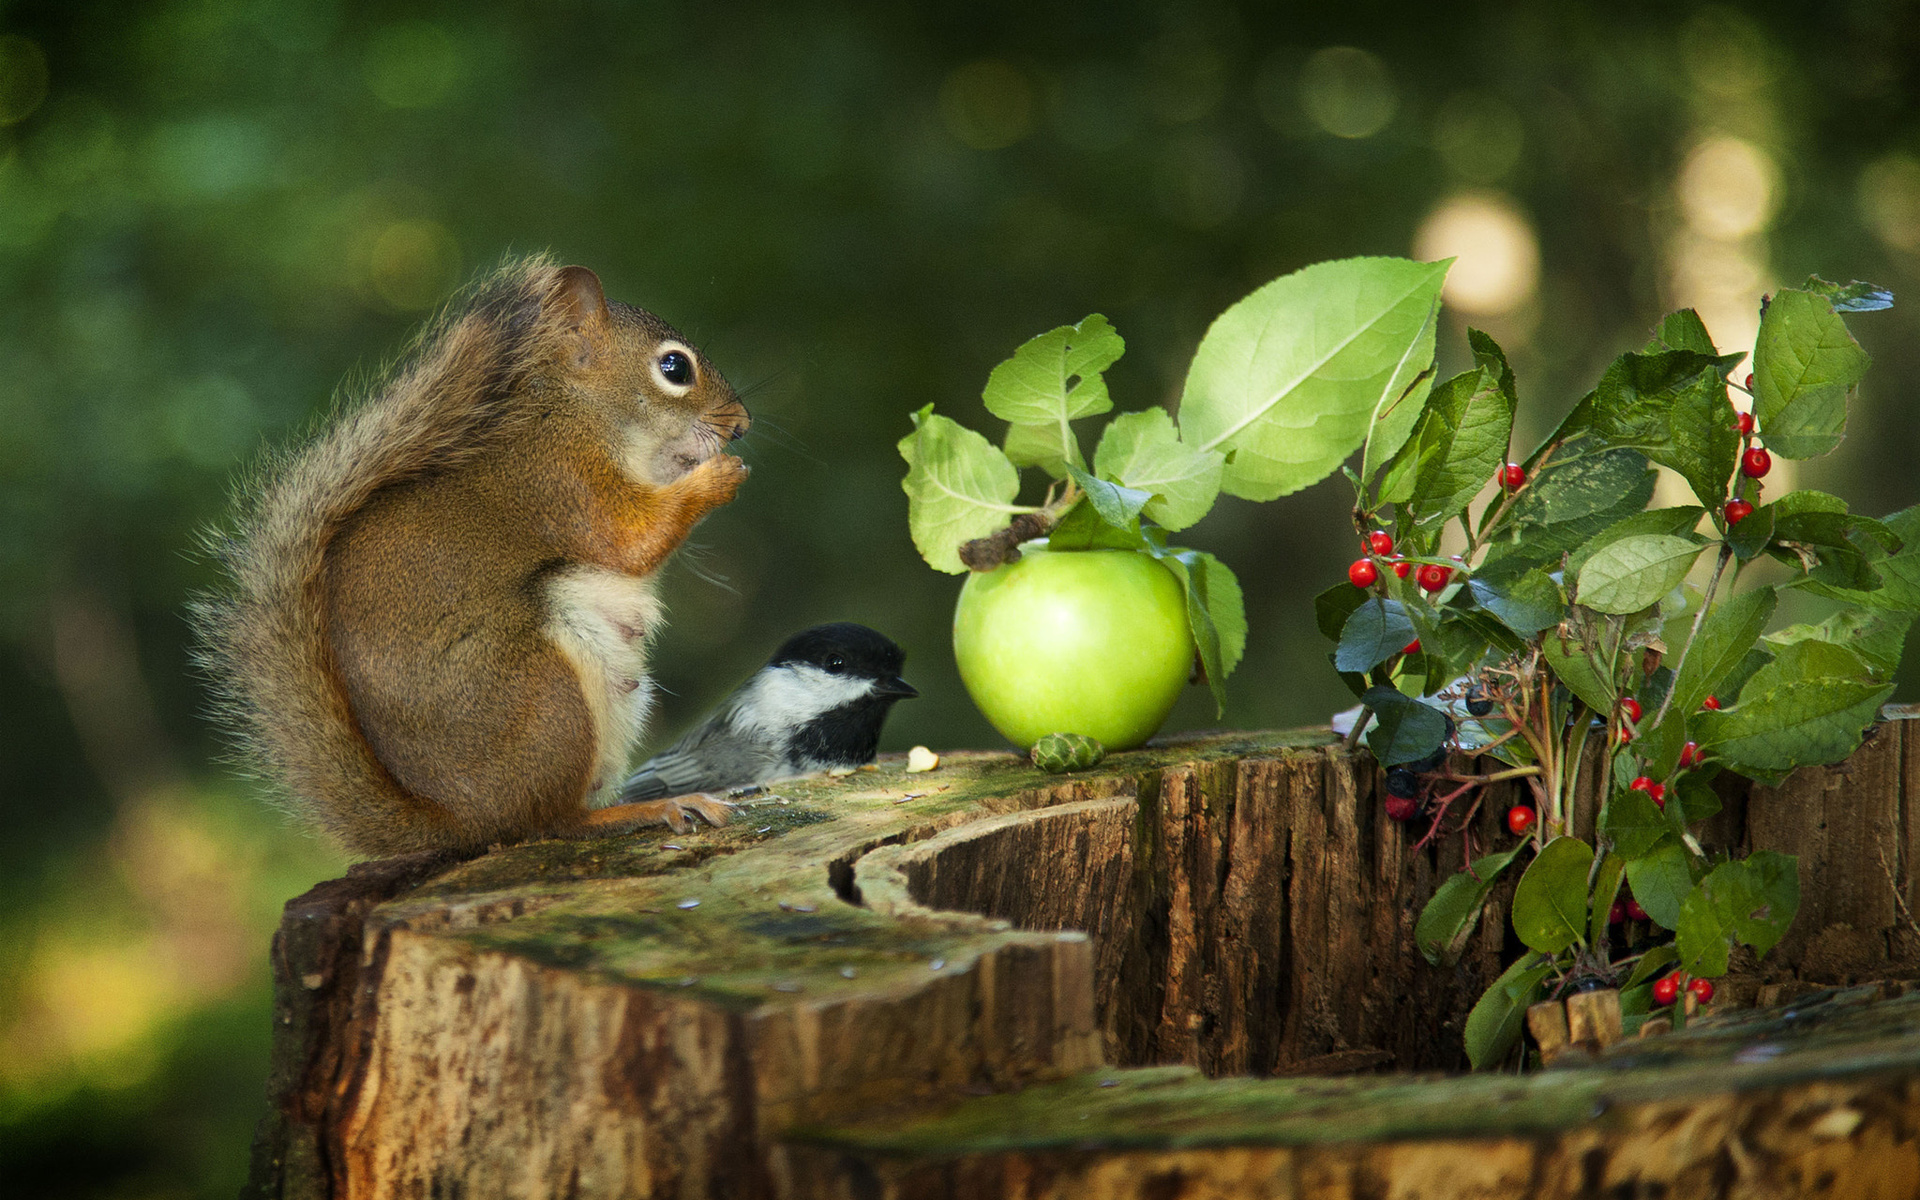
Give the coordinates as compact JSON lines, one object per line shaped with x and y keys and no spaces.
{"x":601,"y":620}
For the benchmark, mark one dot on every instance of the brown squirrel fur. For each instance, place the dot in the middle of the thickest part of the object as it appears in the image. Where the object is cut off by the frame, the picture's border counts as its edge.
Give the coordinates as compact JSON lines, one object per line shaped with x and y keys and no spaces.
{"x":434,"y":635}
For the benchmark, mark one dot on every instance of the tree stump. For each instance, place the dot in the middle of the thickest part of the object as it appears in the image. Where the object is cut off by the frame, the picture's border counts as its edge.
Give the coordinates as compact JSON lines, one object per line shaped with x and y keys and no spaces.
{"x":985,"y":981}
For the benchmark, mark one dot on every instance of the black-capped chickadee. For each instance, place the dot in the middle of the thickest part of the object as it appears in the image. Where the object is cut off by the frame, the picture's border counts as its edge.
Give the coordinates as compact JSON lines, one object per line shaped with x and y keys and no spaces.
{"x":817,"y":704}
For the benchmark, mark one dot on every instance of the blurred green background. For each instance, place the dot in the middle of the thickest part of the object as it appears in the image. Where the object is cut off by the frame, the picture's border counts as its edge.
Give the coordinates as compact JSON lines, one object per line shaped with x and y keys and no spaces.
{"x":212,"y":212}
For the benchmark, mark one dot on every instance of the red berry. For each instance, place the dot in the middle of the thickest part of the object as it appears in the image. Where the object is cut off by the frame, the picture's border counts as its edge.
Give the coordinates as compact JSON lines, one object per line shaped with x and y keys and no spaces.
{"x":1412,"y":647}
{"x":1738,"y":511}
{"x":1626,"y":734}
{"x":1362,"y":573}
{"x":1512,"y":476}
{"x":1659,"y":793}
{"x":1749,"y":381}
{"x":1402,"y":808}
{"x":1642,"y":783}
{"x":1689,"y":755}
{"x":1381,"y":541}
{"x":1433,"y":577}
{"x":1712,"y":702}
{"x":1520,"y":818}
{"x":1756,"y":462}
{"x":1666,"y":989}
{"x":1634,"y":910}
{"x":1402,"y":567}
{"x":1702,"y":989}
{"x":1617,"y":914}
{"x":1631,"y":709}
{"x":1744,"y":422}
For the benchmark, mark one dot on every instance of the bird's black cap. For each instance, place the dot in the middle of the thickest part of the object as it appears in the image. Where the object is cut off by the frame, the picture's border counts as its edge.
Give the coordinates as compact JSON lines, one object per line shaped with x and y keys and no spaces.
{"x":844,"y":648}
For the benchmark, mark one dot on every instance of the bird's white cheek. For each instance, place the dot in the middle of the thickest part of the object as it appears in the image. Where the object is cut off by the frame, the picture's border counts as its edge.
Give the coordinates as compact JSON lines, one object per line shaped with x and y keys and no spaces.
{"x":781,"y":699}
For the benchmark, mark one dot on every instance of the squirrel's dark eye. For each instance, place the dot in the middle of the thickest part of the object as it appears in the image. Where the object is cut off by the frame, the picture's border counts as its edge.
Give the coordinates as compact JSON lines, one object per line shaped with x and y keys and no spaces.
{"x":835,"y":664}
{"x":676,"y":368}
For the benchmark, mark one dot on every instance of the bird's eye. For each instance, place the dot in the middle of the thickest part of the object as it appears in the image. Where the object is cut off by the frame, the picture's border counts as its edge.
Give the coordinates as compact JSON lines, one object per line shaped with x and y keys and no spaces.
{"x":835,"y":664}
{"x":676,"y":368}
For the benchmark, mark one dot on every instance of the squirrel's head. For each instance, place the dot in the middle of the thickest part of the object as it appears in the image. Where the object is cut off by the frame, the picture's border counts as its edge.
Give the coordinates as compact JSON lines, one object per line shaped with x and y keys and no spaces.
{"x":668,"y":408}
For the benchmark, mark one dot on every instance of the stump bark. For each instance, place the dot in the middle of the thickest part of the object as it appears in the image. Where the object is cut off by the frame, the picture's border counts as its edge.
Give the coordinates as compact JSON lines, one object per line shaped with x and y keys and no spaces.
{"x":986,"y":981}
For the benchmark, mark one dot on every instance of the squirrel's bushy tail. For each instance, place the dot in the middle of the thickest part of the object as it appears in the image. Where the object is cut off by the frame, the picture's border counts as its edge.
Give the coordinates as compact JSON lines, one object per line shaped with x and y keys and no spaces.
{"x":263,"y":637}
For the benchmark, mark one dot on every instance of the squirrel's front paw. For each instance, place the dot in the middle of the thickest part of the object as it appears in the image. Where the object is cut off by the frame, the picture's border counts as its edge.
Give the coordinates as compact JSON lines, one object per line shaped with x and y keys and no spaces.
{"x":722,"y":475}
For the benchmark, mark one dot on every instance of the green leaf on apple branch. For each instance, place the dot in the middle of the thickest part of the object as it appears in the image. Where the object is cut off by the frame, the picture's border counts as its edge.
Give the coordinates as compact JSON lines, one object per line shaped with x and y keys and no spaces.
{"x":1635,"y":572}
{"x":1406,"y":730}
{"x":1083,"y":528}
{"x":1805,"y":367}
{"x":1550,"y":902}
{"x":1118,"y":506}
{"x":1661,"y":879}
{"x":1530,"y":603}
{"x":1450,"y":917}
{"x":1290,"y":380}
{"x":1459,"y":441}
{"x":1727,"y":633}
{"x":959,"y":487}
{"x":1810,"y":705}
{"x":1051,"y":380}
{"x":1682,"y":330}
{"x":1375,"y":632}
{"x":1495,"y":1022}
{"x":1673,"y":408}
{"x":1143,"y":450}
{"x":1216,"y":613}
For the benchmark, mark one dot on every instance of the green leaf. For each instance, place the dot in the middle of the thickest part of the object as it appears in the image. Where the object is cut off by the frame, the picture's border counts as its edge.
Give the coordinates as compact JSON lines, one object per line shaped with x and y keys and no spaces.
{"x":1582,"y":668}
{"x":1530,"y":603}
{"x":1550,"y":903}
{"x":1143,"y":451}
{"x":1053,"y":379}
{"x":1377,"y":630}
{"x":1118,"y":506}
{"x":1672,"y":407}
{"x":1083,"y":528}
{"x":959,"y":487}
{"x":1683,"y":330}
{"x":1497,"y":1017}
{"x":1332,"y":607}
{"x":1635,"y":572}
{"x":1750,"y":536}
{"x":1653,"y":962}
{"x":1661,"y":880}
{"x":1461,"y":438}
{"x":1216,"y":613}
{"x":1585,"y":482}
{"x":1805,"y":367}
{"x":1726,"y":634}
{"x":1634,"y":823}
{"x":1406,"y":730}
{"x":1674,"y":522}
{"x":1753,"y":901}
{"x":1899,"y":573}
{"x":1450,"y":916}
{"x":1810,"y":705}
{"x":1850,"y":297}
{"x":1704,"y":937}
{"x":1878,"y":636}
{"x":1289,"y":381}
{"x":1606,"y":886}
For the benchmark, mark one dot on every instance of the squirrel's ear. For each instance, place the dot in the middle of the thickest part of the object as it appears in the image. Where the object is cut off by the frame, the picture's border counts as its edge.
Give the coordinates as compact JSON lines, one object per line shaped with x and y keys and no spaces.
{"x":576,"y":291}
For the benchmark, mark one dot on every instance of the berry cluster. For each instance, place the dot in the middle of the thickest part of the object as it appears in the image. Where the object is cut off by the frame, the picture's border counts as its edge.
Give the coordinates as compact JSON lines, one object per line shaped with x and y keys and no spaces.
{"x":1690,"y":754}
{"x":1666,"y":989}
{"x":1755,"y":462}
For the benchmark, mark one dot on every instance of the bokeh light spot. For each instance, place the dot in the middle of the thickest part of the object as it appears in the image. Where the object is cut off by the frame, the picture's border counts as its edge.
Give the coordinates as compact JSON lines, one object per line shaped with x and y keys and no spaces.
{"x":23,"y":78}
{"x":412,"y":64}
{"x":415,"y":264}
{"x":1497,"y":252}
{"x":987,"y":105}
{"x":1478,"y":136}
{"x":1347,"y":92}
{"x":1728,"y":188}
{"x":1889,"y":200}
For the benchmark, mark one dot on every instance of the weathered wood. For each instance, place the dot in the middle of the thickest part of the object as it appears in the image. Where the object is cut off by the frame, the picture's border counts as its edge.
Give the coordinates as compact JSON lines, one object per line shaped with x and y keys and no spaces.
{"x":650,"y":1015}
{"x":1824,"y":1100}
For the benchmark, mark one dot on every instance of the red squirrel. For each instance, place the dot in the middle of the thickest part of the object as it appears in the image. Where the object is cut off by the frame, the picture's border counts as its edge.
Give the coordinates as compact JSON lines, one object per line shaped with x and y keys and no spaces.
{"x":434,"y":633}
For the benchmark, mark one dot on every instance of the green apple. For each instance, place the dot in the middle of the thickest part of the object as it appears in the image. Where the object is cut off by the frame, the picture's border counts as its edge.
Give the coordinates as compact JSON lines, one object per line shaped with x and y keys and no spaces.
{"x":1093,"y":642}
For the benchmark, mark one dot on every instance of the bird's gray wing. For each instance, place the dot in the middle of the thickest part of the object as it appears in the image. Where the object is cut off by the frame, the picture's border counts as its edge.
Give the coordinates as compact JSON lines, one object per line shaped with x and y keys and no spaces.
{"x":709,"y":758}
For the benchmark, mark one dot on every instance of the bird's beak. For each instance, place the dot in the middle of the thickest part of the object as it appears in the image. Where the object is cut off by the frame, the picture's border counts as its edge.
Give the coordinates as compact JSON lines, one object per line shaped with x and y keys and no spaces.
{"x":895,"y":687}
